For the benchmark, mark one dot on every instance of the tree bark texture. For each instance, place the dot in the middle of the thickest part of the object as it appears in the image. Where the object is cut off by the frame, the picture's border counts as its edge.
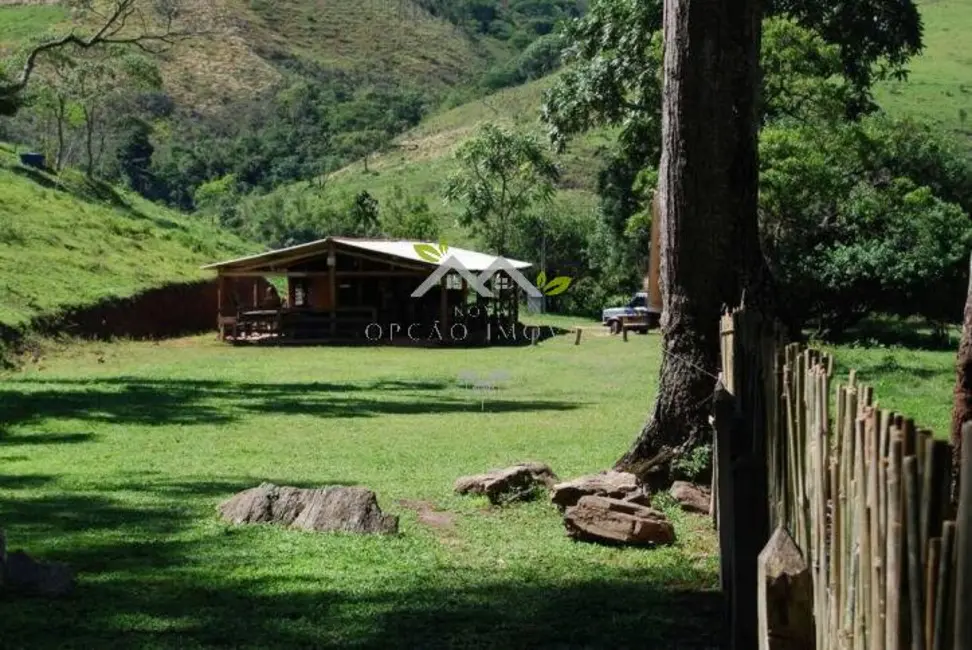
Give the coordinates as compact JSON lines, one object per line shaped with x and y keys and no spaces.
{"x":962,"y":409}
{"x":710,"y":253}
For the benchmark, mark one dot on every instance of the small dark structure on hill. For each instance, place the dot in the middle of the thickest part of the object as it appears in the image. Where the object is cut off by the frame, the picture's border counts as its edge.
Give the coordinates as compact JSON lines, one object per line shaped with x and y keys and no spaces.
{"x":368,"y":290}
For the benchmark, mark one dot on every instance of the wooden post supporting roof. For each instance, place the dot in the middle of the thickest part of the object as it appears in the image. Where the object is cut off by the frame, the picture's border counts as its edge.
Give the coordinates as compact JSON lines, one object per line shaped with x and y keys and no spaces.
{"x":332,"y":281}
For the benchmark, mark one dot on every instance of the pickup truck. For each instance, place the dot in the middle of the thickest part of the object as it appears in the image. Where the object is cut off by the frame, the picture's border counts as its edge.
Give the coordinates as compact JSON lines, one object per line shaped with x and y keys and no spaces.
{"x":636,"y":315}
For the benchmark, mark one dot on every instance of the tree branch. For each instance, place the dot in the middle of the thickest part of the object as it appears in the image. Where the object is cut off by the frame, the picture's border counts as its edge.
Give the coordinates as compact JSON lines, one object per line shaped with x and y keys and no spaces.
{"x":107,"y":34}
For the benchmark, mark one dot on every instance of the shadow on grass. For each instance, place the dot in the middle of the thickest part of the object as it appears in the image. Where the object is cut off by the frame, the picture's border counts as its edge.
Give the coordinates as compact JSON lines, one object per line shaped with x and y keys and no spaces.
{"x":896,"y":332}
{"x":150,"y":576}
{"x":622,"y":611}
{"x":129,"y":400}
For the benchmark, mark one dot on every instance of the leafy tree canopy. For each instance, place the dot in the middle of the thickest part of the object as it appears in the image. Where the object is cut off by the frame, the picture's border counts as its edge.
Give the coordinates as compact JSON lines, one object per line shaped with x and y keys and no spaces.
{"x":502,"y":174}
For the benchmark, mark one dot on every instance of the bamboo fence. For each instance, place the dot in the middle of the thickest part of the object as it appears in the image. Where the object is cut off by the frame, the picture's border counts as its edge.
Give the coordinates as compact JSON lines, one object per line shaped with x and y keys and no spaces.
{"x":865,"y":494}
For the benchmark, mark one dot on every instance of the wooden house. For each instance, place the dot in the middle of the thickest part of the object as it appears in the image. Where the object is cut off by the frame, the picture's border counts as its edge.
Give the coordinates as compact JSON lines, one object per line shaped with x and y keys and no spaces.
{"x":344,"y":289}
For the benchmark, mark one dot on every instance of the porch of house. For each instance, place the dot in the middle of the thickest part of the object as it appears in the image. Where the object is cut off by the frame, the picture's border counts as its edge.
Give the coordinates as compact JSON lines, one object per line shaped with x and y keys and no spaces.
{"x":346,"y":291}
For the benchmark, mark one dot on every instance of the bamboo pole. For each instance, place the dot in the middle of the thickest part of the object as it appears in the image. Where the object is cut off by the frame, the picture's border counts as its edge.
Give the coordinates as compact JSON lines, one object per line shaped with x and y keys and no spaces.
{"x":862,"y":606}
{"x":892,"y":603}
{"x":931,"y":589}
{"x":945,"y":598}
{"x":912,"y":522}
{"x":876,"y":634}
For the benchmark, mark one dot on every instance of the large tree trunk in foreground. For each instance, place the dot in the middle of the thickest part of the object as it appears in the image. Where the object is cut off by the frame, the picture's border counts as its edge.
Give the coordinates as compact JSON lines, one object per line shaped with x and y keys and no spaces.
{"x":962,"y":410}
{"x":709,"y":237}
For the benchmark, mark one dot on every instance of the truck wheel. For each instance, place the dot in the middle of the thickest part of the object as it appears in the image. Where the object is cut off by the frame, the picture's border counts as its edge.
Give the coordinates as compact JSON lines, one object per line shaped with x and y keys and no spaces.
{"x":615,"y":326}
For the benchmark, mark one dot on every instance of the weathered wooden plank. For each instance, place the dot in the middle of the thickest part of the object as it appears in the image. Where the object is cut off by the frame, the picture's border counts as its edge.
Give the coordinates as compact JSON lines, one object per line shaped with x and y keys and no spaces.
{"x":785,"y":596}
{"x":963,"y":546}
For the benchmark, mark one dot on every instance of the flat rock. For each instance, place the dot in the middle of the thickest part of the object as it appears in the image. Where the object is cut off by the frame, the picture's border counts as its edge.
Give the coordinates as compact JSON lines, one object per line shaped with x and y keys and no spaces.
{"x":330,"y":509}
{"x":615,"y":521}
{"x":517,"y":483}
{"x":25,"y":575}
{"x":616,"y":485}
{"x":692,"y":497}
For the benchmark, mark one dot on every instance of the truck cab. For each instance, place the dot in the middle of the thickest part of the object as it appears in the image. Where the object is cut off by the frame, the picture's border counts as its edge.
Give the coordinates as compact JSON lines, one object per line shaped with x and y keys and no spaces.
{"x":637,"y":315}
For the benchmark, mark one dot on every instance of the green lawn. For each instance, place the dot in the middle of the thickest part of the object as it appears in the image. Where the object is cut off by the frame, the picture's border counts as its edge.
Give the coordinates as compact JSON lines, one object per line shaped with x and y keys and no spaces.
{"x":116,"y":455}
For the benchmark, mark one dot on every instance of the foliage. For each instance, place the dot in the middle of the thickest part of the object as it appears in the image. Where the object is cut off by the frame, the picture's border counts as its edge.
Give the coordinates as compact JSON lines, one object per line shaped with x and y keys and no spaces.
{"x":502,"y":175}
{"x":407,"y":216}
{"x":290,"y":218}
{"x":134,"y":154}
{"x":695,"y":463}
{"x":540,"y":58}
{"x":850,"y":224}
{"x":218,"y":198}
{"x":519,"y":21}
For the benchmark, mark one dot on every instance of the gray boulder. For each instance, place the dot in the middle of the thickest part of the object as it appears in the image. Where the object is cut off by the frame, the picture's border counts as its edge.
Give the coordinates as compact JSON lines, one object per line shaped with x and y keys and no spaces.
{"x":329,"y":509}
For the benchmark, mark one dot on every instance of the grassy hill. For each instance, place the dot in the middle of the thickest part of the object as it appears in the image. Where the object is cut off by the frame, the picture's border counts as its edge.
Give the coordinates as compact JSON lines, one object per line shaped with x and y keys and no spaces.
{"x":250,"y":43}
{"x":939,"y":87}
{"x":65,"y":241}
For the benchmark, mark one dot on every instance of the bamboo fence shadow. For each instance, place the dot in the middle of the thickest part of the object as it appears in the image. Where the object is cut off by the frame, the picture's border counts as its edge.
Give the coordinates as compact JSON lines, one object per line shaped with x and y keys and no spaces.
{"x":861,"y":490}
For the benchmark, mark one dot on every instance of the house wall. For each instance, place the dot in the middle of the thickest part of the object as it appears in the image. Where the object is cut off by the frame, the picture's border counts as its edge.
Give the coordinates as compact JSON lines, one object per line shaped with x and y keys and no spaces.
{"x":320,"y":293}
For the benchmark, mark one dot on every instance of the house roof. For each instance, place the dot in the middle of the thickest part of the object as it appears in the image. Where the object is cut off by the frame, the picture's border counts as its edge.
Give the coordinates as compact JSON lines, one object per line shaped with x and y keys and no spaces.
{"x":400,"y":249}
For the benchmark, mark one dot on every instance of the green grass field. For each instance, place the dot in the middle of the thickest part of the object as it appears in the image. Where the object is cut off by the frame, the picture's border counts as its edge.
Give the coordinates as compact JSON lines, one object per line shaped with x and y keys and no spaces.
{"x":939,"y":86}
{"x":116,"y":455}
{"x":66,"y":241}
{"x":116,"y":466}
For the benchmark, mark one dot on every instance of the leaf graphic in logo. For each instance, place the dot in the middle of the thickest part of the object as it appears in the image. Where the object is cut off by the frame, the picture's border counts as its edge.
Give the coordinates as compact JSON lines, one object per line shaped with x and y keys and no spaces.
{"x":428,"y":252}
{"x":557,"y":286}
{"x":541,"y":280}
{"x":443,"y":248}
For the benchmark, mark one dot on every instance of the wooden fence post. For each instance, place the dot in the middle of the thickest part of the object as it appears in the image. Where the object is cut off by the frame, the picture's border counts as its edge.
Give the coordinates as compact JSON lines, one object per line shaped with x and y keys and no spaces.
{"x":785,"y":596}
{"x":578,"y":337}
{"x":963,"y":546}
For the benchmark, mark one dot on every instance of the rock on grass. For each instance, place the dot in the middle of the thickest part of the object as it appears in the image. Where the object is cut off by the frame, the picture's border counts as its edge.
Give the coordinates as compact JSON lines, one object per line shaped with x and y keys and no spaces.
{"x":614,"y":521}
{"x":616,"y":485}
{"x":517,"y":483}
{"x":329,"y":509}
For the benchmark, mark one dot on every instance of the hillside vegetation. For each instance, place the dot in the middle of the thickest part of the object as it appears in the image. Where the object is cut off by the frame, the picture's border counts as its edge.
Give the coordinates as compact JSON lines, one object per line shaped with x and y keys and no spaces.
{"x":66,"y":241}
{"x":247,"y":40}
{"x":939,"y":88}
{"x":419,"y":161}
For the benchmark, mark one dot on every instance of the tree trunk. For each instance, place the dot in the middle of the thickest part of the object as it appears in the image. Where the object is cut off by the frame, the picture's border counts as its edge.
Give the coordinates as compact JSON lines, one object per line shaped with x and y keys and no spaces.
{"x":962,"y":409}
{"x":710,"y":253}
{"x":60,"y":118}
{"x":89,"y":121}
